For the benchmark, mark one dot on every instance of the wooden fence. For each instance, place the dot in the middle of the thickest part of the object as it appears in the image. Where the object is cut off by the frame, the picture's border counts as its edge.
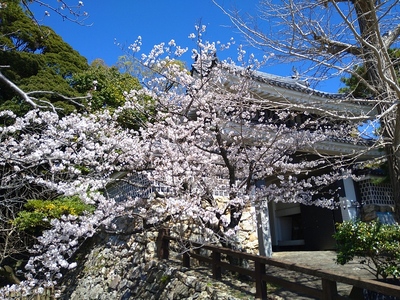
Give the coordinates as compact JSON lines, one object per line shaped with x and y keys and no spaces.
{"x":258,"y":273}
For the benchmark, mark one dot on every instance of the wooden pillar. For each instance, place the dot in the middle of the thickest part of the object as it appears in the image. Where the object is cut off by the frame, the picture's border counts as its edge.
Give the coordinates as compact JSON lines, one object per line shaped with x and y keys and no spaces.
{"x":329,"y":289}
{"x":186,"y":259}
{"x":216,"y":267}
{"x":162,"y":244}
{"x":261,"y":285}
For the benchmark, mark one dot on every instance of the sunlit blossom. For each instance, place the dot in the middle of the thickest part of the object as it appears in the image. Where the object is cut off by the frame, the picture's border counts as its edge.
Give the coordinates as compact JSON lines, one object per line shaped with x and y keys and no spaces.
{"x":196,"y":163}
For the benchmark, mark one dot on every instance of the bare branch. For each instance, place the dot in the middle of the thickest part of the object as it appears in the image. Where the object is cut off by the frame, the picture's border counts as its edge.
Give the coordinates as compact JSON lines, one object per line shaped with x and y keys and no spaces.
{"x":28,"y":98}
{"x":392,"y":36}
{"x":75,"y":14}
{"x":336,"y":47}
{"x":70,"y":99}
{"x":20,"y":92}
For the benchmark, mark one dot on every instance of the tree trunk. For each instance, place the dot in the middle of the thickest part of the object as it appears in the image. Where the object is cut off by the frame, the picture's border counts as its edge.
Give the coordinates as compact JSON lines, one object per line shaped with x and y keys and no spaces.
{"x":379,"y":65}
{"x":393,"y":152}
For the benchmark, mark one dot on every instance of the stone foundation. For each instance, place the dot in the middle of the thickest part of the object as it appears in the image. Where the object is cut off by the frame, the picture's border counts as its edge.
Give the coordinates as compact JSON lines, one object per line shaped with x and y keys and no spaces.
{"x":373,"y":211}
{"x":108,"y":276}
{"x":123,"y":266}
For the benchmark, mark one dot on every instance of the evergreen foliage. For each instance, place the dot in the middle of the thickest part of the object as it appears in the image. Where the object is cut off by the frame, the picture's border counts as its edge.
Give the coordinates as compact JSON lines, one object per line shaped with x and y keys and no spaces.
{"x":38,"y":60}
{"x":377,"y":244}
{"x":37,"y":214}
{"x":107,"y":85}
{"x":108,"y":88}
{"x":354,"y":83}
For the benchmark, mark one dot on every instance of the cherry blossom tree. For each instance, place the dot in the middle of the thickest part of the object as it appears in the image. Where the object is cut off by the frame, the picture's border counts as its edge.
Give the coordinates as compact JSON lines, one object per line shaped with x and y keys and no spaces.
{"x":44,"y":156}
{"x":212,"y":149}
{"x":215,"y":137}
{"x":335,"y":39}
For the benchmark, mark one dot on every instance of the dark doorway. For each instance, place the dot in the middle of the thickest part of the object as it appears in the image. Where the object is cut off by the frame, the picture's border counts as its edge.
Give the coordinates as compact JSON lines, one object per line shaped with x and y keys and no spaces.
{"x":319,"y":226}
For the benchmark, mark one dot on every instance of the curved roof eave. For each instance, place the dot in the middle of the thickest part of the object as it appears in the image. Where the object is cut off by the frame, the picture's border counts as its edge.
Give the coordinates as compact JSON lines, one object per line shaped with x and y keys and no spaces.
{"x":290,"y":91}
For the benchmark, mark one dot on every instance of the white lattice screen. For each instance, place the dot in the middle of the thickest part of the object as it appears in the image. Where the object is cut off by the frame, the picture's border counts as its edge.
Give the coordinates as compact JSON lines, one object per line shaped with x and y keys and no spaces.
{"x":136,"y":186}
{"x":371,"y":193}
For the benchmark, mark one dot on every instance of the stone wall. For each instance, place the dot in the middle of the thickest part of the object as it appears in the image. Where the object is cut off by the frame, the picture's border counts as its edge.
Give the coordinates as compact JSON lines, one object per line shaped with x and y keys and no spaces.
{"x":123,"y":266}
{"x":246,"y":239}
{"x":372,"y":212}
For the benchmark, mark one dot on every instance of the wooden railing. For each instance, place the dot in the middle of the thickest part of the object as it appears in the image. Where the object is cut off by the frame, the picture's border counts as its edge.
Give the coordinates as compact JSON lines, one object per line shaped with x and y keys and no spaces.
{"x":258,"y":273}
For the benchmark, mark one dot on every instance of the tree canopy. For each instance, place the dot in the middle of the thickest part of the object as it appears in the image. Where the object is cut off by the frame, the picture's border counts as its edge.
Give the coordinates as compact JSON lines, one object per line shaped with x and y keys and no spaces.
{"x":107,"y":88}
{"x":37,"y":59}
{"x":107,"y":85}
{"x":355,"y":86}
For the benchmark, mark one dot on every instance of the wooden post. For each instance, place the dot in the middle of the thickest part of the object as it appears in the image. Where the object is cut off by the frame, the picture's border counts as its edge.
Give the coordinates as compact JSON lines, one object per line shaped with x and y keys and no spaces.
{"x":329,"y":289}
{"x":186,"y":259}
{"x":261,"y":286}
{"x":162,"y":244}
{"x":52,"y":293}
{"x":216,"y":268}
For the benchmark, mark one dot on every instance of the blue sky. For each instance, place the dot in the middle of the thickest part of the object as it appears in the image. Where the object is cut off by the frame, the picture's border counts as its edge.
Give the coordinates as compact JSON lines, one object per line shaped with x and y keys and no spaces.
{"x":155,"y":21}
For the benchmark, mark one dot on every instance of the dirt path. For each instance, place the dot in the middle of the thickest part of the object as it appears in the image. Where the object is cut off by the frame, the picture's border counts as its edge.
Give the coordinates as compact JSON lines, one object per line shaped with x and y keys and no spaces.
{"x":324,"y":260}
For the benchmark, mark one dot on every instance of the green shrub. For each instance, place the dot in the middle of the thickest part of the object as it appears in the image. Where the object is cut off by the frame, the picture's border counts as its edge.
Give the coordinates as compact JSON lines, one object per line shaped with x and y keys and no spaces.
{"x":377,"y":244}
{"x":37,"y":214}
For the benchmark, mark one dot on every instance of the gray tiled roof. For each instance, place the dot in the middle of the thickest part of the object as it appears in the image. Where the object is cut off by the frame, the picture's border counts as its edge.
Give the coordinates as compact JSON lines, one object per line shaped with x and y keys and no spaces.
{"x":293,"y":84}
{"x":273,"y":80}
{"x":302,"y":86}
